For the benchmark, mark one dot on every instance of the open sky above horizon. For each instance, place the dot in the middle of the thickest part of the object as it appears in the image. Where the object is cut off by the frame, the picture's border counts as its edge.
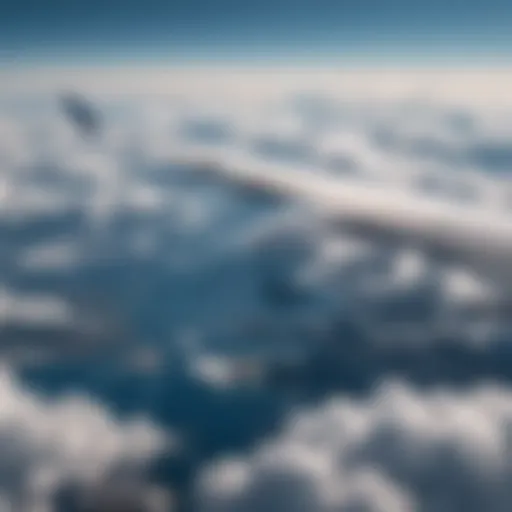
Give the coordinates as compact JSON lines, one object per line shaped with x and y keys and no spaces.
{"x":298,"y":31}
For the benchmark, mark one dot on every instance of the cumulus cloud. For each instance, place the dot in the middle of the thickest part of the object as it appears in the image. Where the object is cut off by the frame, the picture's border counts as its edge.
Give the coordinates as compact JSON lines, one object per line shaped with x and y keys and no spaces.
{"x":125,"y":218}
{"x":48,"y":444}
{"x":123,"y":237}
{"x":57,"y":256}
{"x":39,"y":310}
{"x":397,"y":449}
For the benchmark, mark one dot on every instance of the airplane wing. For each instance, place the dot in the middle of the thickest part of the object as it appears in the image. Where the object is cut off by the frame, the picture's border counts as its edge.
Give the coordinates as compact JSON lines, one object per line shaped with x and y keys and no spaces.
{"x":468,"y":234}
{"x":472,"y":235}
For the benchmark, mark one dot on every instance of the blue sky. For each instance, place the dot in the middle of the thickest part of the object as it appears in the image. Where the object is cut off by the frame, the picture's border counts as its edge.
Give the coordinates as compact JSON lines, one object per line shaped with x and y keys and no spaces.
{"x":162,"y":31}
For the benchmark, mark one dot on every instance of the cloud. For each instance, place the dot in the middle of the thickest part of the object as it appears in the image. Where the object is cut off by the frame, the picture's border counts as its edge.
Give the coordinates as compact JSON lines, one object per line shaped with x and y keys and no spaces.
{"x":49,"y":444}
{"x":117,"y":240}
{"x":397,"y":449}
{"x":39,"y":310}
{"x":121,"y":218}
{"x":57,"y":256}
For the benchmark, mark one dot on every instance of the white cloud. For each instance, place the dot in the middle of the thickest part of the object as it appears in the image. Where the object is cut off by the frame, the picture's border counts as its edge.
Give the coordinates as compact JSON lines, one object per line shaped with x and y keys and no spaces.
{"x":462,"y":286}
{"x":60,"y":255}
{"x":34,"y":309}
{"x":227,"y":372}
{"x":25,"y":203}
{"x":481,"y":87}
{"x":12,"y":144}
{"x":47,"y":444}
{"x":397,"y":450}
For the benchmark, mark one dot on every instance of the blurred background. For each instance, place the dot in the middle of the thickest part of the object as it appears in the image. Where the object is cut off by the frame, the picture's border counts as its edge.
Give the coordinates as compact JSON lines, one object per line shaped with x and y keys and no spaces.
{"x":255,"y":256}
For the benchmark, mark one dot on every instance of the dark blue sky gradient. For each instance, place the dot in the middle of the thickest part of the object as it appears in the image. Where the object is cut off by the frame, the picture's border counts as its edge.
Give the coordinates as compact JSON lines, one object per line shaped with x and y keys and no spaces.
{"x":161,"y":30}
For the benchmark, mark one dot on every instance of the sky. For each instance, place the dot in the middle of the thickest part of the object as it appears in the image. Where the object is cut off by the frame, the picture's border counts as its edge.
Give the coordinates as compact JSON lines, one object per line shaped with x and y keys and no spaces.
{"x":269,"y":30}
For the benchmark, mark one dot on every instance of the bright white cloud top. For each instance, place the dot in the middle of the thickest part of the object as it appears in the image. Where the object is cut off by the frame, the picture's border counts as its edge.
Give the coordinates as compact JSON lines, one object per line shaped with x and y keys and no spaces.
{"x":398,"y":450}
{"x":48,"y":444}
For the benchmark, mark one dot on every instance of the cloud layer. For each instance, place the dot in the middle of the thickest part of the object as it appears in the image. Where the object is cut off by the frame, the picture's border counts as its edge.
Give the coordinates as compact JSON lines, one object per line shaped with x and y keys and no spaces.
{"x":118,"y":247}
{"x":397,"y":450}
{"x":73,"y":441}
